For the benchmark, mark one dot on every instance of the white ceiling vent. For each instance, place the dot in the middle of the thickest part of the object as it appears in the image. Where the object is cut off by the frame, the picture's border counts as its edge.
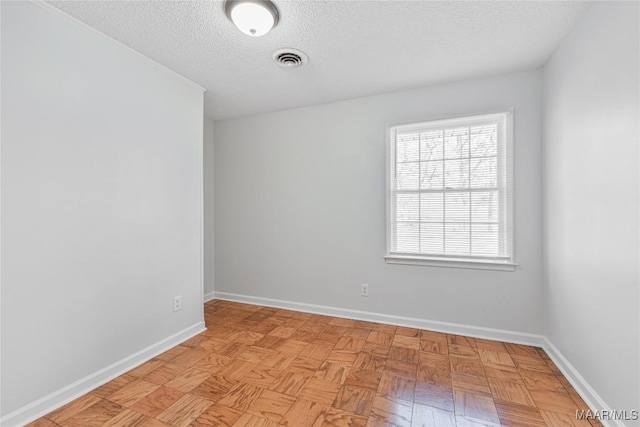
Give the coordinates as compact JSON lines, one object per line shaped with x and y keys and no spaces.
{"x":290,"y":58}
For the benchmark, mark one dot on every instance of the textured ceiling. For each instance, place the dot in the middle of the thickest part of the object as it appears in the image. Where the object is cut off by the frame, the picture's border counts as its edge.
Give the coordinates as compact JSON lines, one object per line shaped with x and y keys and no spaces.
{"x":355,"y":48}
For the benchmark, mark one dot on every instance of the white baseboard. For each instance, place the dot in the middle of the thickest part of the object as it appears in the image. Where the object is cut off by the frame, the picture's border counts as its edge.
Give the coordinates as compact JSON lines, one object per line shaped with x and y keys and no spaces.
{"x":66,"y":394}
{"x":61,"y":397}
{"x":412,"y":322}
{"x":588,"y":394}
{"x":584,"y":389}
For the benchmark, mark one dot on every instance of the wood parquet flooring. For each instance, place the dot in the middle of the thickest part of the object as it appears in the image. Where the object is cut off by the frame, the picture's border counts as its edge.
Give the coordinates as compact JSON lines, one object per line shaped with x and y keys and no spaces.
{"x":264,"y":367}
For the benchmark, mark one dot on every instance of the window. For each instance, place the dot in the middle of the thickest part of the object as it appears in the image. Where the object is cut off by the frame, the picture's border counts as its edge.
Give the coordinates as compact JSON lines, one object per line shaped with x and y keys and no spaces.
{"x":450,"y":193}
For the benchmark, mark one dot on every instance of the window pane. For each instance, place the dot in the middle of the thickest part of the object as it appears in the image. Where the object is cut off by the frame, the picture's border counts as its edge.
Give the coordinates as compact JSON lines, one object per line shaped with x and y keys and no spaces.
{"x":484,"y":140}
{"x":407,"y":207}
{"x":431,"y":175}
{"x":431,"y":145}
{"x":484,"y":172}
{"x":456,"y":143}
{"x":484,"y":239}
{"x":407,"y":234}
{"x":407,"y":175}
{"x":431,"y":207}
{"x":484,"y":206}
{"x":456,"y":207}
{"x":451,"y":189}
{"x":456,"y":173}
{"x":431,"y":238}
{"x":457,"y":239}
{"x":408,"y":148}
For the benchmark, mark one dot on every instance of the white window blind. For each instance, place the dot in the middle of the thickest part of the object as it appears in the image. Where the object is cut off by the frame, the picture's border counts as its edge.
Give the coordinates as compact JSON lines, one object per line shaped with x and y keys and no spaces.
{"x":450,"y":190}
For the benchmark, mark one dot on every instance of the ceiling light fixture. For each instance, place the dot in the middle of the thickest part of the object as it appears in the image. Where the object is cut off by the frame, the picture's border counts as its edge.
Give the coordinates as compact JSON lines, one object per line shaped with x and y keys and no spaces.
{"x":252,"y":17}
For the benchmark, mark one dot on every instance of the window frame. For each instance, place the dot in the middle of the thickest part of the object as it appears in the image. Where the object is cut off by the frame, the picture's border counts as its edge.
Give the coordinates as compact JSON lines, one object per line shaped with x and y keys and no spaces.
{"x":463,"y":261}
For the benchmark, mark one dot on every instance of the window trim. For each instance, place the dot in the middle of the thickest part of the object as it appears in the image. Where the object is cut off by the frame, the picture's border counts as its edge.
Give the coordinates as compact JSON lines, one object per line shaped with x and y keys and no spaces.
{"x":450,"y":262}
{"x":500,"y":264}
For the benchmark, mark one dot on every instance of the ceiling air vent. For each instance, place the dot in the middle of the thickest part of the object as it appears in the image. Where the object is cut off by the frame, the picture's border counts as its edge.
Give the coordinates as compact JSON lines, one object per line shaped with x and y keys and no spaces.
{"x":290,"y":58}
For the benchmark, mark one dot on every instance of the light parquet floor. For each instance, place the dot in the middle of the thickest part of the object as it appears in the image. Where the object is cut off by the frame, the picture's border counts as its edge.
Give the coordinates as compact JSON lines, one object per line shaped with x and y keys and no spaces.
{"x":264,"y":367}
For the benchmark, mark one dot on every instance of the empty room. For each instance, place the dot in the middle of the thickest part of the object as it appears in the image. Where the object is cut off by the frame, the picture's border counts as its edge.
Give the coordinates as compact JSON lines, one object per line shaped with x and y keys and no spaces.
{"x":315,"y":213}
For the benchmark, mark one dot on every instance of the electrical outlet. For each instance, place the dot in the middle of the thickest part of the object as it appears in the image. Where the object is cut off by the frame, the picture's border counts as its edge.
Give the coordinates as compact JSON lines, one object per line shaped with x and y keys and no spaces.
{"x":364,"y":290}
{"x":177,"y":303}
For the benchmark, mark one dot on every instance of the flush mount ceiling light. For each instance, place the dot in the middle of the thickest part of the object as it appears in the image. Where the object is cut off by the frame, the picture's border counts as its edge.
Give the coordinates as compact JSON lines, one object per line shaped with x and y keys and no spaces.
{"x":252,"y":17}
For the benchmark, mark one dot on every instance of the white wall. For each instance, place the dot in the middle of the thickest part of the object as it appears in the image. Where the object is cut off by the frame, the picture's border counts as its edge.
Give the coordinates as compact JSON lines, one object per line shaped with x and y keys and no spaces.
{"x":591,"y":139}
{"x":209,"y":259}
{"x":101,"y":203}
{"x":300,"y":208}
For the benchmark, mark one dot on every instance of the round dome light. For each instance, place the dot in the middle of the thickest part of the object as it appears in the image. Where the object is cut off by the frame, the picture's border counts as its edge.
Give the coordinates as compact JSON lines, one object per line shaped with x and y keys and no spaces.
{"x":254,"y":18}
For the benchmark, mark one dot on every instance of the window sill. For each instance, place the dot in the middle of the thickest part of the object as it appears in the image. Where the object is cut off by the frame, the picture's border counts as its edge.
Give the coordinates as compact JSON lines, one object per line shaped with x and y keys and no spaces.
{"x":451,"y":263}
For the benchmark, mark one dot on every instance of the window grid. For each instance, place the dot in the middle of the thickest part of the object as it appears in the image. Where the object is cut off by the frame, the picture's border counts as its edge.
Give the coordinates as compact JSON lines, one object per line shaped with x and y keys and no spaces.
{"x":469,"y":226}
